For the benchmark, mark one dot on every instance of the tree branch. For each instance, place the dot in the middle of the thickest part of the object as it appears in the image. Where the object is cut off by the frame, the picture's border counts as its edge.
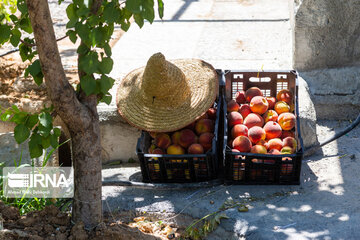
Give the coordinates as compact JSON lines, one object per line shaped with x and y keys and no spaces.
{"x":61,"y":93}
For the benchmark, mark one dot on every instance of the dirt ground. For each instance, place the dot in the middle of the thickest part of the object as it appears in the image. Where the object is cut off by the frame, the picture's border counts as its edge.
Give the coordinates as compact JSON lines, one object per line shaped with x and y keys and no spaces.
{"x":53,"y":224}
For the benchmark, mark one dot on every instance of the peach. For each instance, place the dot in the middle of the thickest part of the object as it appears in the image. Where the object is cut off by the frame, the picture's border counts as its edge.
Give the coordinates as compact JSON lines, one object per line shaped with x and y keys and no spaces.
{"x":258,"y":149}
{"x":151,"y":148}
{"x":252,"y":92}
{"x":254,"y":119}
{"x":292,"y":107}
{"x":242,"y":143}
{"x":240,"y":97}
{"x":239,"y":130}
{"x":244,"y":110}
{"x":175,"y":149}
{"x":158,"y":151}
{"x":211,"y":113}
{"x":204,"y":125}
{"x":270,"y":115}
{"x":234,"y":118}
{"x":205,"y":140}
{"x":262,"y":142}
{"x":204,"y":116}
{"x":273,"y":130}
{"x":232,"y":106}
{"x":275,"y":143}
{"x":286,"y":134}
{"x":259,"y":105}
{"x":256,"y":134}
{"x":153,"y":134}
{"x":285,"y":95}
{"x":287,"y":121}
{"x":162,"y":140}
{"x":175,"y":137}
{"x":281,"y":107}
{"x":187,"y":137}
{"x":274,"y":151}
{"x":195,"y":149}
{"x":271,"y":101}
{"x":287,"y":150}
{"x":290,"y":142}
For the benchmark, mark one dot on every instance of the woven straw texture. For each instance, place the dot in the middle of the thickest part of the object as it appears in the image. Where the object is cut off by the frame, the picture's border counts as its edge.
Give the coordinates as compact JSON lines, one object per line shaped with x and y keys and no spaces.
{"x":166,"y":95}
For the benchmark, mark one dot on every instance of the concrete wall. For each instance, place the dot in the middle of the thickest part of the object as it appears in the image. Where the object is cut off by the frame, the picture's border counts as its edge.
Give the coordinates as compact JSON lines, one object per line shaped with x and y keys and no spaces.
{"x":326,"y":33}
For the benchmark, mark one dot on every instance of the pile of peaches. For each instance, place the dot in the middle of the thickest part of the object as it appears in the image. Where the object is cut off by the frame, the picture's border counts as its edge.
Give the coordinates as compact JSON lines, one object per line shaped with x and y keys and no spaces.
{"x":262,"y":125}
{"x":195,"y":138}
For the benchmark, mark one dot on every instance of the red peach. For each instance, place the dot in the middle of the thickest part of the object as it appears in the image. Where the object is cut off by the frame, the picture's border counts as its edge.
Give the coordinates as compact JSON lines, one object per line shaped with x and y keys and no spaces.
{"x":271,"y":101}
{"x":162,"y":140}
{"x":287,"y":121}
{"x":211,"y":113}
{"x":281,"y":107}
{"x":244,"y":110}
{"x":195,"y":149}
{"x":204,"y":125}
{"x":175,"y":149}
{"x":254,"y":119}
{"x":153,"y":134}
{"x":239,"y":130}
{"x":191,"y":126}
{"x":158,"y":151}
{"x":286,"y":134}
{"x":275,"y":143}
{"x":234,"y":118}
{"x":290,"y":142}
{"x":205,"y":140}
{"x":252,"y":92}
{"x":256,"y":133}
{"x":175,"y":137}
{"x":187,"y":137}
{"x":259,"y":105}
{"x":240,"y":97}
{"x":273,"y":130}
{"x":285,"y":95}
{"x":270,"y":115}
{"x":274,"y":151}
{"x":262,"y":142}
{"x":242,"y":143}
{"x":258,"y":149}
{"x":232,"y":106}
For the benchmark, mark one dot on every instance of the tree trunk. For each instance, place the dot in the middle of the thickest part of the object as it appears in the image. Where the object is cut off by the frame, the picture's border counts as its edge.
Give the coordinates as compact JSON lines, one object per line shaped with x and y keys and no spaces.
{"x":80,"y":116}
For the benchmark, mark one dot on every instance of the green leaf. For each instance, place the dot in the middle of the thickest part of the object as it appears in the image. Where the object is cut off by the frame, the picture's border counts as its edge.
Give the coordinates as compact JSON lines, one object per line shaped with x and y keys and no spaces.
{"x":71,"y":12}
{"x":72,"y":35}
{"x":35,"y":146}
{"x":19,"y":117}
{"x":148,"y":10}
{"x":98,"y":36}
{"x":45,"y":119}
{"x":44,"y":131}
{"x":89,"y":63}
{"x":84,"y":32}
{"x":15,"y":108}
{"x":21,"y":5}
{"x":54,"y":141}
{"x":57,"y":132}
{"x":111,"y":12}
{"x":32,"y":121}
{"x":45,"y":142}
{"x":13,"y":18}
{"x":21,"y":133}
{"x":133,"y":6}
{"x":4,"y":33}
{"x":26,"y":25}
{"x":139,"y":20}
{"x":106,"y":83}
{"x":161,"y":8}
{"x":220,"y":216}
{"x":107,"y":99}
{"x":5,"y":116}
{"x":15,"y":37}
{"x":82,"y":11}
{"x":35,"y":71}
{"x":106,"y":65}
{"x":107,"y":49}
{"x":83,"y":49}
{"x":88,"y":84}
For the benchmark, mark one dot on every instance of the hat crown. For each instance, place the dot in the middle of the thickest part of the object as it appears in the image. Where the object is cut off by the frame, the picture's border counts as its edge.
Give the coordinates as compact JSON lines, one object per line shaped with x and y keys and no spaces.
{"x":162,"y":79}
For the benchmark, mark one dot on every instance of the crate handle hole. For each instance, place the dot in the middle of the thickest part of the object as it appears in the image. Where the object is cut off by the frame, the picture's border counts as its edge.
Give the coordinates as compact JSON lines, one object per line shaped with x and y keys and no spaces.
{"x":263,"y":79}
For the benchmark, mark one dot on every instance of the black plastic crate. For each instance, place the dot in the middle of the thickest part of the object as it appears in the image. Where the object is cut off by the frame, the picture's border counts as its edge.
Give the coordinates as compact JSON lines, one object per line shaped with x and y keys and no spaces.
{"x":167,"y":168}
{"x":250,"y":168}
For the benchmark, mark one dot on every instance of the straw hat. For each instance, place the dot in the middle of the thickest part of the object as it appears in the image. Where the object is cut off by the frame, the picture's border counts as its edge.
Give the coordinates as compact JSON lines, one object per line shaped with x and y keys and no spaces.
{"x":166,"y":95}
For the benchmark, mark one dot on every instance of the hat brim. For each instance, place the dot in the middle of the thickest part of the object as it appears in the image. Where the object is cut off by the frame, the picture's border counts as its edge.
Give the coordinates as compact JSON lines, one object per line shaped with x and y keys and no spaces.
{"x":135,"y":108}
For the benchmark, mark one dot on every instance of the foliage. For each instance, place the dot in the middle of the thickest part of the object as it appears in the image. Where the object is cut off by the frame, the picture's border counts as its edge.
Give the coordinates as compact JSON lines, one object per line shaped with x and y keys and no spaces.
{"x":94,"y":29}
